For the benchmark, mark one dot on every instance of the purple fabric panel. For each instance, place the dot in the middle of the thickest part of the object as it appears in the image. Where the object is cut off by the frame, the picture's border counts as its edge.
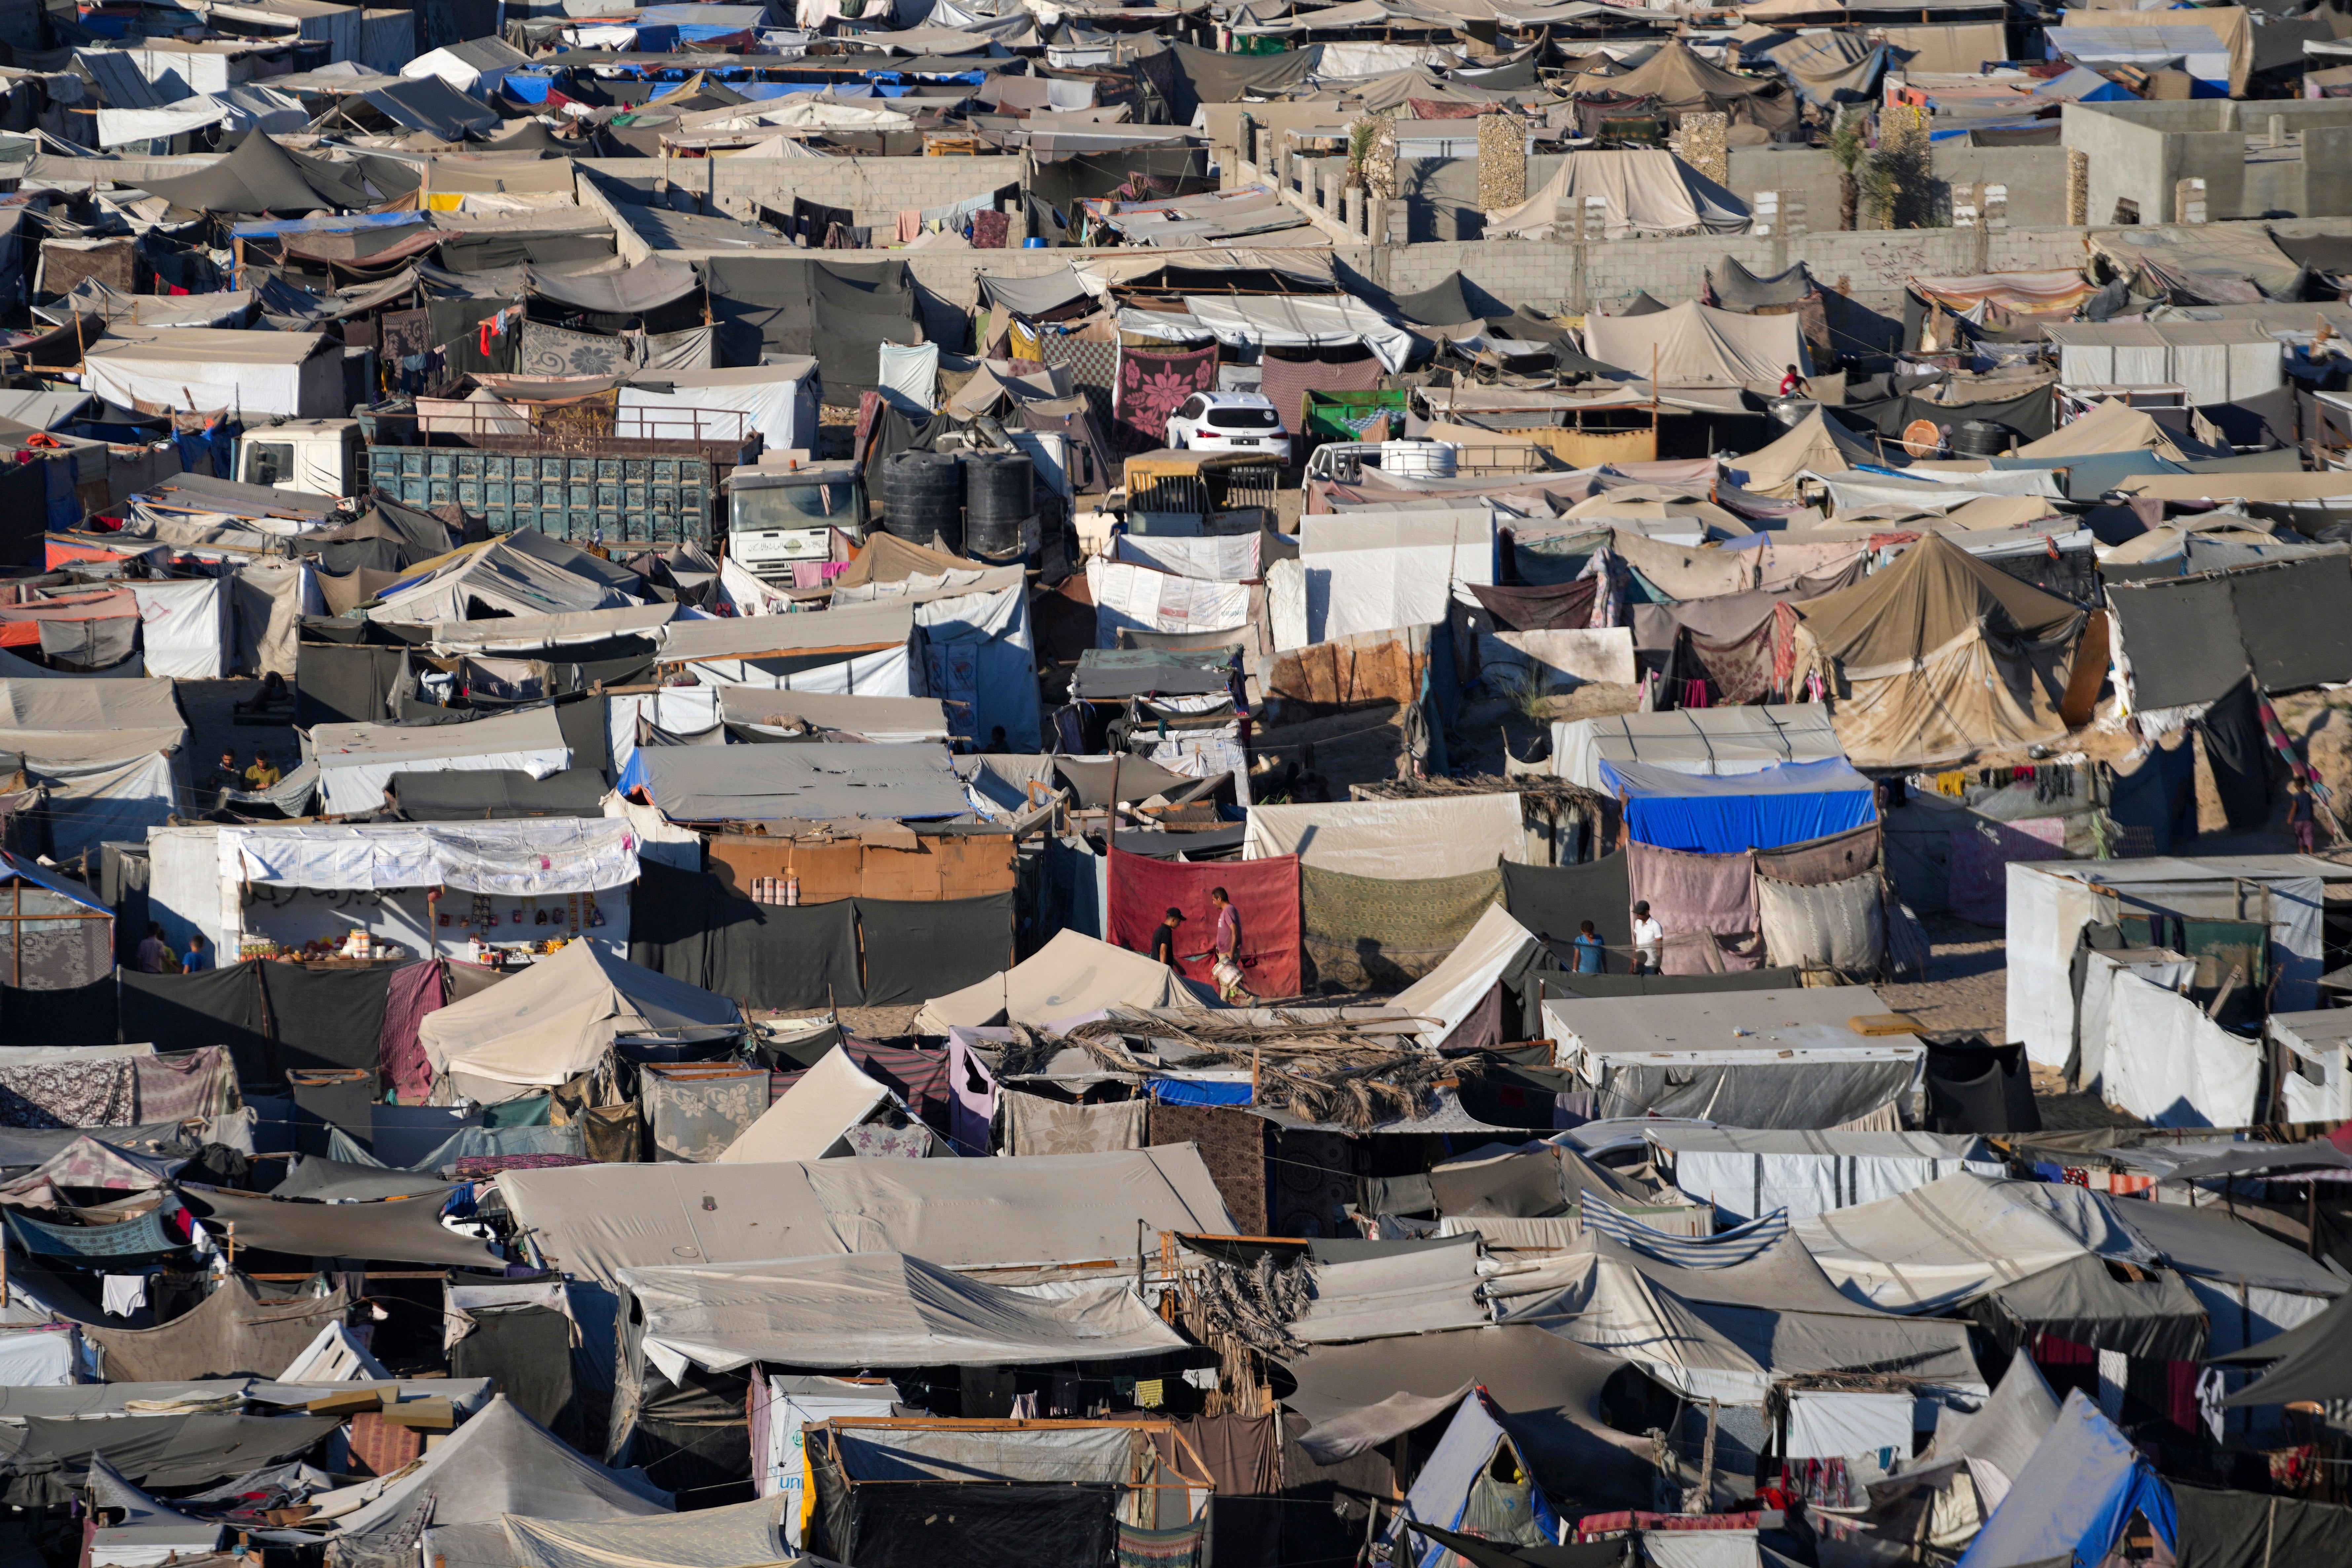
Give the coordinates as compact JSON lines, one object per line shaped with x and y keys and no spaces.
{"x":1693,"y":894}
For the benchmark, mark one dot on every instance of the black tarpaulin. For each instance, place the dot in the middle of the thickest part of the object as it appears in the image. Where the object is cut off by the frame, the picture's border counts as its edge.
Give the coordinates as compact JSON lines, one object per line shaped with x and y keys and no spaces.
{"x":1481,"y":1554}
{"x":2239,"y":755}
{"x":2311,"y":1362}
{"x":2086,"y":1302}
{"x":2181,"y":639}
{"x":391,"y":1230}
{"x":685,"y":924}
{"x":647,"y":285}
{"x":2030,"y":413}
{"x":429,"y":103}
{"x":1553,"y":900}
{"x":1980,"y":1088}
{"x":2264,"y":421}
{"x":1439,"y":305}
{"x":80,"y":1016}
{"x":528,"y":1349}
{"x":2296,"y":619}
{"x":1197,"y":76}
{"x":344,"y":683}
{"x":840,"y":313}
{"x":188,"y":1012}
{"x":466,"y":796}
{"x":921,"y":1524}
{"x":2256,"y":1529}
{"x":1524,"y":1186}
{"x":918,"y":950}
{"x":325,"y":1017}
{"x":1558,"y":606}
{"x":488,"y":252}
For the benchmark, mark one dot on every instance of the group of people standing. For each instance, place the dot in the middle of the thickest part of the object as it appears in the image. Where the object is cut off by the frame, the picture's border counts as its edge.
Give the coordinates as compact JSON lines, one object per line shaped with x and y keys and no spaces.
{"x":1590,"y":955}
{"x":1225,"y":948}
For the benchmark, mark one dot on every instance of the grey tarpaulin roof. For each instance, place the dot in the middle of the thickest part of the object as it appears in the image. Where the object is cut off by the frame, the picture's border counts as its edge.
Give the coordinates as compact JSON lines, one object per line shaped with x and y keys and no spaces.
{"x":398,"y":1230}
{"x":813,"y":782}
{"x":1940,"y":1245}
{"x":1413,"y":1292}
{"x":858,"y":628}
{"x":161,"y":1451}
{"x":503,"y":1462}
{"x":429,"y":103}
{"x":736,"y":1536}
{"x":2311,"y":1361}
{"x":2082,"y":1301}
{"x":2213,"y":1246}
{"x":143,"y":1526}
{"x":643,"y":287}
{"x":1034,"y":296}
{"x":2003,"y":1430}
{"x":879,"y":1309}
{"x":959,"y":1214}
{"x":1548,"y":1389}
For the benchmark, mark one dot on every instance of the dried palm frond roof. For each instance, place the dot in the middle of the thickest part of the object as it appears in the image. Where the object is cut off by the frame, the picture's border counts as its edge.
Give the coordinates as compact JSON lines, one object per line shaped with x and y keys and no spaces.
{"x":1337,"y":1071}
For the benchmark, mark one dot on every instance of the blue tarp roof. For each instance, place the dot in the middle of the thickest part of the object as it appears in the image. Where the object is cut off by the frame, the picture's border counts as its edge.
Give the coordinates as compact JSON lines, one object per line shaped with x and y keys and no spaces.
{"x":1768,"y":809}
{"x":2079,"y":1491}
{"x":16,"y":867}
{"x":1441,"y":1493}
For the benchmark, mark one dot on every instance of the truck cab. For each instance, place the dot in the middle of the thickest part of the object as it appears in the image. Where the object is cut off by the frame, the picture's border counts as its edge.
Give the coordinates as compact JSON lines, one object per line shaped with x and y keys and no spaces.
{"x":783,"y":511}
{"x":320,"y":455}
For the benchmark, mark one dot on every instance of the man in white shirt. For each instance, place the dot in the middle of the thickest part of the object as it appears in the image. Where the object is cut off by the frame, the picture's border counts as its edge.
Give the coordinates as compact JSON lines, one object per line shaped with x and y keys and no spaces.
{"x":1649,"y":941}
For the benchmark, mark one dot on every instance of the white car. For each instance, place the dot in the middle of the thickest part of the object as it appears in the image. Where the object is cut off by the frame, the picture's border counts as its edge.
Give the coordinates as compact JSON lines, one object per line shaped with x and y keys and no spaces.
{"x":1229,"y":422}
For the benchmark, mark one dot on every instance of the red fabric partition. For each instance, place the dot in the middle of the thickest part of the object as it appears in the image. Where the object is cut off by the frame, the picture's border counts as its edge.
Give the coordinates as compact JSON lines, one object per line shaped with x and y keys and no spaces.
{"x":1264,"y":892}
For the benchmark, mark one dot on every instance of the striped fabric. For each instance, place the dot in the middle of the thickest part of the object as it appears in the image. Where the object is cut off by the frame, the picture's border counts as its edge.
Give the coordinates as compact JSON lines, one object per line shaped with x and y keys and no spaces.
{"x":1718,"y":1251}
{"x":1177,"y":1548}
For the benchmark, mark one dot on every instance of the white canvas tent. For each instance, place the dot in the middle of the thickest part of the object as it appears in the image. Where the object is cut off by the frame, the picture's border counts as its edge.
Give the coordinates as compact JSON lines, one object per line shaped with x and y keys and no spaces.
{"x":556,"y":1020}
{"x":1437,"y":835}
{"x":501,"y":577}
{"x":1645,"y":192}
{"x":1496,"y":948}
{"x":185,"y":627}
{"x":1385,"y":570}
{"x":247,"y":372}
{"x":777,"y":401}
{"x":809,"y":1119}
{"x":1943,"y":1244}
{"x":1746,"y":1173}
{"x":1071,"y":975}
{"x":356,"y":762}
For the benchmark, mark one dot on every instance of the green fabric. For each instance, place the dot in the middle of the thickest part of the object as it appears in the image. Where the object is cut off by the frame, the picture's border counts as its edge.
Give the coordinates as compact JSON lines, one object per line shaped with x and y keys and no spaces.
{"x":1378,"y":933}
{"x":531,"y":1110}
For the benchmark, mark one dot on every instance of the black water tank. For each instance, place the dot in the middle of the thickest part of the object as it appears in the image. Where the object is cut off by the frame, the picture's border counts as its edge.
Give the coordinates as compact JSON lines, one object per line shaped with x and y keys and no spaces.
{"x":998,"y":498}
{"x":922,"y":497}
{"x":1980,"y":438}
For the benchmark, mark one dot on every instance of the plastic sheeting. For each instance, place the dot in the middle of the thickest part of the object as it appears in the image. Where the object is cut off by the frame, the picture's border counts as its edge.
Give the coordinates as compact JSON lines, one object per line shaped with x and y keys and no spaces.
{"x":1715,"y":741}
{"x":185,"y":627}
{"x":1647,"y":193}
{"x":1937,"y":1245}
{"x":523,"y":858}
{"x":878,"y":1309}
{"x":1832,"y":925}
{"x":1790,"y":804}
{"x":356,"y":762}
{"x":1382,"y":572}
{"x":2170,"y":1064}
{"x":2078,"y":1492}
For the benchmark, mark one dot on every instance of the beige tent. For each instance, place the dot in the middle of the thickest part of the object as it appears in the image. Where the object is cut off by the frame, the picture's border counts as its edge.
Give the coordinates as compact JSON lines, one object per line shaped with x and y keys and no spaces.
{"x":2276,"y":490}
{"x":1648,"y":192}
{"x":1941,"y":656}
{"x":2113,"y":426}
{"x":1072,"y":975}
{"x":830,"y":1098}
{"x":1693,"y":345}
{"x":1816,"y":444}
{"x":2228,"y":23}
{"x":1684,"y":84}
{"x":556,"y":1020}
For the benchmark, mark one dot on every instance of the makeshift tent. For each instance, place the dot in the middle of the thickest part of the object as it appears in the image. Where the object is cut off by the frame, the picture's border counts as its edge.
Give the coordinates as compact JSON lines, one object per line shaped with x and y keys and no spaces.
{"x":105,"y":750}
{"x":356,"y":762}
{"x":522,"y":574}
{"x":1474,"y":1478}
{"x":1709,"y":742}
{"x":1818,"y":444}
{"x":401,"y":1230}
{"x":556,"y":1019}
{"x":1443,"y":836}
{"x":1790,"y":804}
{"x":1774,"y":1059}
{"x":2079,"y":1493}
{"x":818,"y":781}
{"x":257,"y":176}
{"x":1694,"y":347}
{"x":1383,"y":571}
{"x":737,"y":1535}
{"x":1684,"y":83}
{"x":2187,"y":641}
{"x":1498,"y":950}
{"x":2168,"y":1064}
{"x":775,"y":401}
{"x":1647,"y":193}
{"x":249,"y":374}
{"x":1746,"y":1173}
{"x":185,"y":627}
{"x":1942,"y":656}
{"x":808,"y":1120}
{"x":2114,"y":425}
{"x":878,"y":1310}
{"x":1072,"y":975}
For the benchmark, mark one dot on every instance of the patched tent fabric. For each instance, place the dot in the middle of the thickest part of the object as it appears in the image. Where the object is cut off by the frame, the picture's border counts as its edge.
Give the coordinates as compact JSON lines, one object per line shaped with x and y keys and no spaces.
{"x":2079,"y":1491}
{"x":232,"y":1330}
{"x":878,"y":1309}
{"x":1071,"y":975}
{"x":1942,"y":656}
{"x":154,"y":1452}
{"x":1694,"y":347}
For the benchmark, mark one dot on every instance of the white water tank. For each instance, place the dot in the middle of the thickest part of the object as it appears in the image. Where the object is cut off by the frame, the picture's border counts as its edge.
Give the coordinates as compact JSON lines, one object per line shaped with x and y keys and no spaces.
{"x":1427,"y":459}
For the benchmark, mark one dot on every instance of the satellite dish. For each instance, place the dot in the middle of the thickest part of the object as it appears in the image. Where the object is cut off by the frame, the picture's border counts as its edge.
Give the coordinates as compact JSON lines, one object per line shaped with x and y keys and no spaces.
{"x":1922,"y":437}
